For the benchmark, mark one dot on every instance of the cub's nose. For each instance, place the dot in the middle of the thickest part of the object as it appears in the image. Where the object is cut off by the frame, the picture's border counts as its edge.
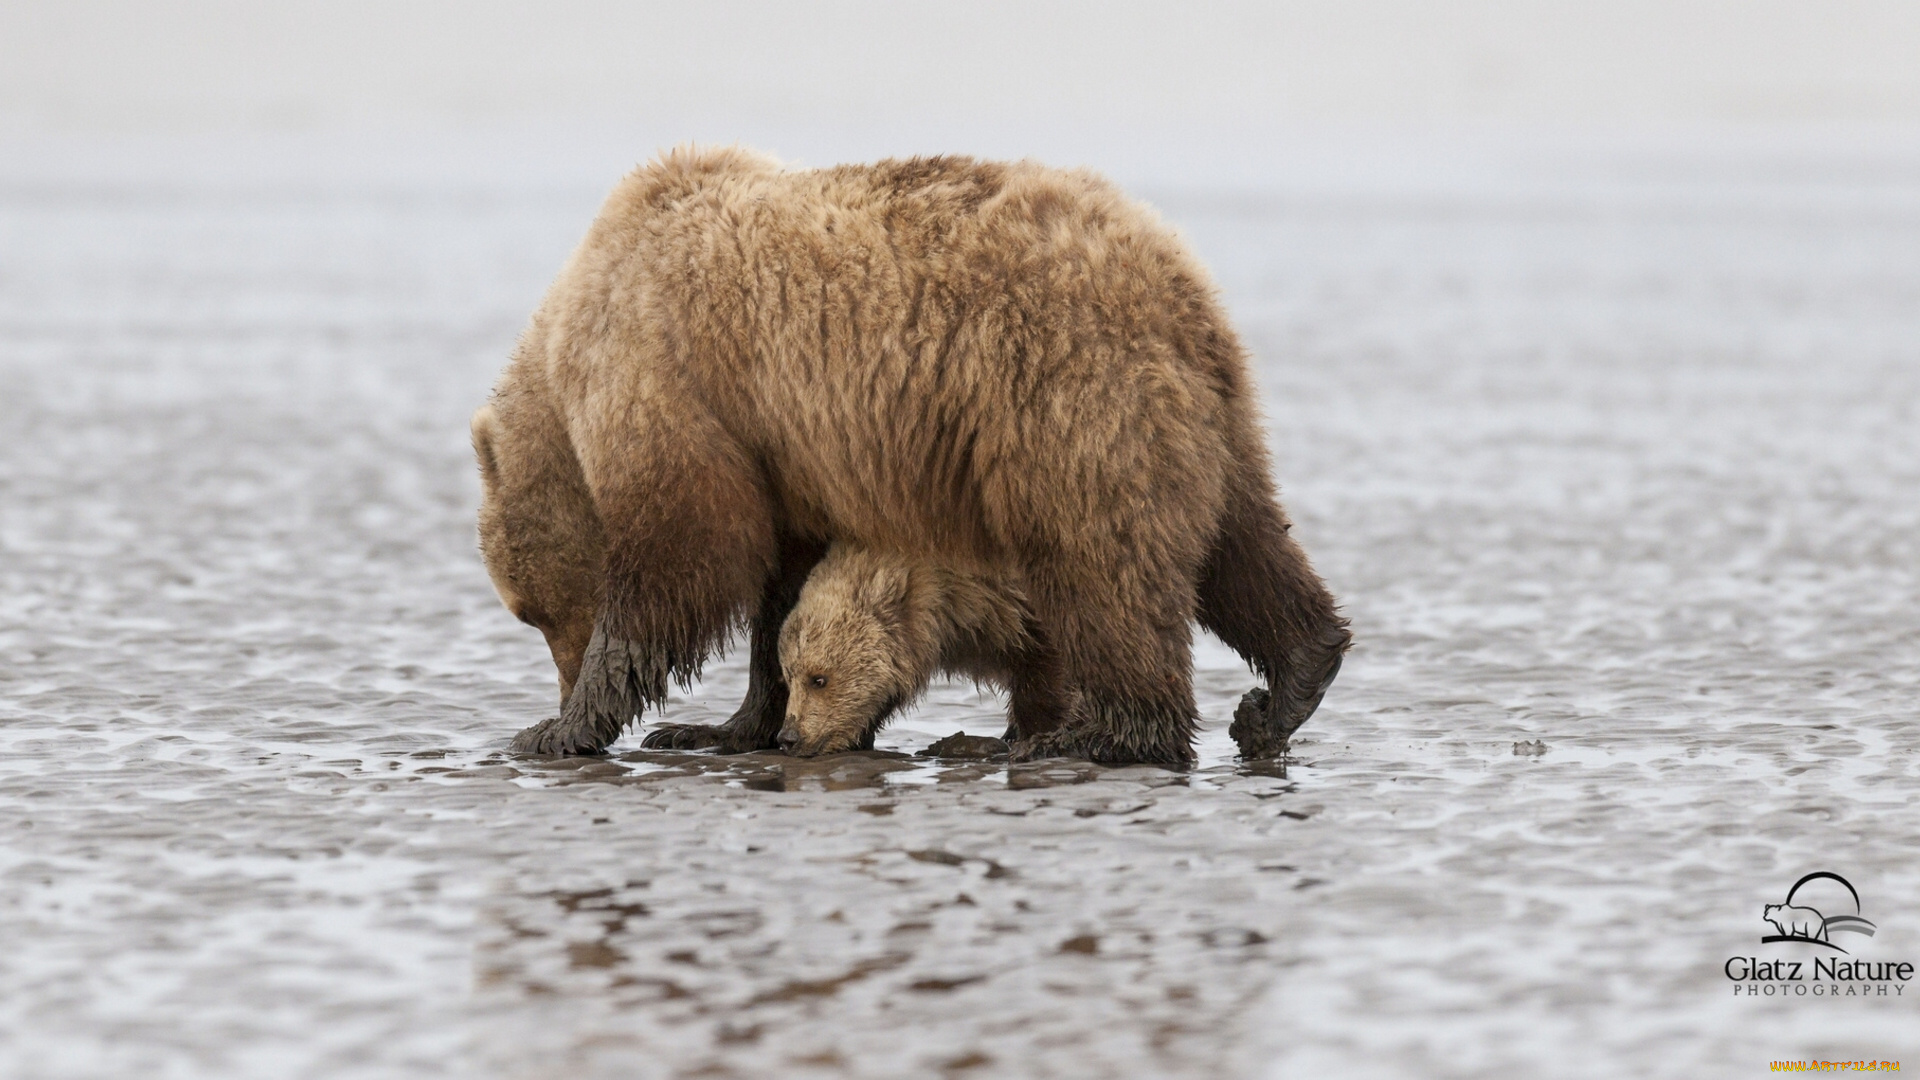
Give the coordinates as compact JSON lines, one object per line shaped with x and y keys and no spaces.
{"x":788,"y":739}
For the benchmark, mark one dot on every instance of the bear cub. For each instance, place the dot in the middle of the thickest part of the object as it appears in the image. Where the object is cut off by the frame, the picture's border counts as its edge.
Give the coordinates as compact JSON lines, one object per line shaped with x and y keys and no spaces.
{"x":871,"y":630}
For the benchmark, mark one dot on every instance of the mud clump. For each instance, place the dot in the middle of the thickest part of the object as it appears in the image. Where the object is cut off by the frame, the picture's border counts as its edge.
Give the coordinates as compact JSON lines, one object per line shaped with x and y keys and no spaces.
{"x":961,"y":746}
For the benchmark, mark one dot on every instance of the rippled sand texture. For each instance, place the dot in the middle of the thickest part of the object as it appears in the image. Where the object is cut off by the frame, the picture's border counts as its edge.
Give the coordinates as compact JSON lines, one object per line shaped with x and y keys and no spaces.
{"x":1614,"y":454}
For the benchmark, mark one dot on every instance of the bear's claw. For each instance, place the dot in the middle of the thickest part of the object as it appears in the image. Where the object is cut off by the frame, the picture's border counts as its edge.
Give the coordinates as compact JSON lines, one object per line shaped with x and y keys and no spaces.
{"x":685,"y":737}
{"x":727,"y":738}
{"x":553,"y":737}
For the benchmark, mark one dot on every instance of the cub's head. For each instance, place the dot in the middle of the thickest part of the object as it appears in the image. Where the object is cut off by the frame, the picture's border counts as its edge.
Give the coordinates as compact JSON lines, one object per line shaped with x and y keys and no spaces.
{"x":845,"y":652}
{"x":539,"y":533}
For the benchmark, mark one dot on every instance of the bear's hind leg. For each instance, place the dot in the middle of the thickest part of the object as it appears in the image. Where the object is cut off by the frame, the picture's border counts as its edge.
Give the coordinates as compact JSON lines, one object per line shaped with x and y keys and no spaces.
{"x":1130,"y":669}
{"x":1260,"y":595}
{"x":756,"y":723}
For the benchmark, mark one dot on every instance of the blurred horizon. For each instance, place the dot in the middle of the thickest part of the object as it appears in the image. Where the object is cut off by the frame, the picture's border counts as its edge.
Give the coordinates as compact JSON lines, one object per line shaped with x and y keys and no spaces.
{"x":107,"y":65}
{"x":1343,"y":98}
{"x":1145,"y":90}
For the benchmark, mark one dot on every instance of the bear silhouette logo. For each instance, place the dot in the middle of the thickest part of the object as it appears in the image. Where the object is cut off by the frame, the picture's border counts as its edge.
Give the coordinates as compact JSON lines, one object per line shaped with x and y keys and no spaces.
{"x":1805,"y":923}
{"x":1798,"y":922}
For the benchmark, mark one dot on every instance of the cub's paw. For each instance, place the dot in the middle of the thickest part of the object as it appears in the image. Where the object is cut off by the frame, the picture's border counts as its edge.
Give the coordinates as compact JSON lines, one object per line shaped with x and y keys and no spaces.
{"x":554,"y":736}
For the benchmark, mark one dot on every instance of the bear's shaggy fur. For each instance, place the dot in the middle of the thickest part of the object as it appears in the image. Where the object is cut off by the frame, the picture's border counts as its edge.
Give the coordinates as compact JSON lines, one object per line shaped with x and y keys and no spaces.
{"x":977,"y":364}
{"x":870,"y":631}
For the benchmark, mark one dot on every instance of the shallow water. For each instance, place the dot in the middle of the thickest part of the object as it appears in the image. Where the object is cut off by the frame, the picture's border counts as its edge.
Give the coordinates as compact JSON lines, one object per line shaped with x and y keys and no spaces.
{"x":1614,"y":458}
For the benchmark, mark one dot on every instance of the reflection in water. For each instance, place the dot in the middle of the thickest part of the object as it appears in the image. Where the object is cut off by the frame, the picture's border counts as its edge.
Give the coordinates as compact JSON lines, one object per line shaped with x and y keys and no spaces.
{"x":1619,"y":489}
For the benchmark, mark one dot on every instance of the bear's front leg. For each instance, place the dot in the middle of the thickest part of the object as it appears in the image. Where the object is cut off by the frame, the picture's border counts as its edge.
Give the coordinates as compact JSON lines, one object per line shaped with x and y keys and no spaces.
{"x":617,"y":681}
{"x":756,"y":723}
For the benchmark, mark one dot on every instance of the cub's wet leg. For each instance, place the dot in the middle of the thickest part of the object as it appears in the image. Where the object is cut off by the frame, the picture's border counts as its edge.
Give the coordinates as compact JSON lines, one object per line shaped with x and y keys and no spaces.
{"x":755,"y":725}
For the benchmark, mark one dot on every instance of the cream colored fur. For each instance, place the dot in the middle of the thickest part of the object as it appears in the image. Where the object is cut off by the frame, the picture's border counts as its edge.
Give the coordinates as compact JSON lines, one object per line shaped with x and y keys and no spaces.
{"x":871,"y":630}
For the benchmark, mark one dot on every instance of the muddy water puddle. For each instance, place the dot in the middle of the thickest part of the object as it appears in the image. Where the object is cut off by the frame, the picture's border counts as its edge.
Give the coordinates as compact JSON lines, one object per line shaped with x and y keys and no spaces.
{"x":1616,"y":475}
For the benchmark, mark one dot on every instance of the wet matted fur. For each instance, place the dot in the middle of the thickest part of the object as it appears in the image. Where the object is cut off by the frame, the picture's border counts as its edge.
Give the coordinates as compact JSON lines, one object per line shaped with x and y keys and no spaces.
{"x":974,"y":363}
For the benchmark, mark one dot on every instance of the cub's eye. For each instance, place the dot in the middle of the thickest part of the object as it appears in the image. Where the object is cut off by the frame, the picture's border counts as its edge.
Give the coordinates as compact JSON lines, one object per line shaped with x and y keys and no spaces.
{"x":819,"y":682}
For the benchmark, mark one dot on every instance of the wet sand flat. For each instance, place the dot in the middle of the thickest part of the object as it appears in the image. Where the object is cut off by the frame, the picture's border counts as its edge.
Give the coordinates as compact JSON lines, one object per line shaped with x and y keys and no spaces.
{"x":1614,"y":458}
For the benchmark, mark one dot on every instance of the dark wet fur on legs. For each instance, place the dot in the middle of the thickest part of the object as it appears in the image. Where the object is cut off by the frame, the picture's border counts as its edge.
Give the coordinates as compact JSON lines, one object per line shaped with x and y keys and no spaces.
{"x":618,"y":681}
{"x":1038,"y":698}
{"x":1113,"y":731}
{"x":684,"y":564}
{"x":667,"y":611}
{"x":1264,"y":723}
{"x":755,"y":725}
{"x":1260,"y":595}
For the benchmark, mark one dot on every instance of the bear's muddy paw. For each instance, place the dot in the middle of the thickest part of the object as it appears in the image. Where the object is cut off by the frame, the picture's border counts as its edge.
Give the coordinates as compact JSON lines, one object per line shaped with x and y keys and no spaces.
{"x":1253,"y":729}
{"x":1035,"y":748}
{"x":687,"y":737}
{"x":1093,"y":744}
{"x":1067,"y":742}
{"x":1264,"y":722}
{"x":553,"y":737}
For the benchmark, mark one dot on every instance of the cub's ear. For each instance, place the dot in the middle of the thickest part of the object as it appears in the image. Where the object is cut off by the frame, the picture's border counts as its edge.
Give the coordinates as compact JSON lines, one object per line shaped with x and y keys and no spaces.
{"x":484,"y":426}
{"x":888,"y":592}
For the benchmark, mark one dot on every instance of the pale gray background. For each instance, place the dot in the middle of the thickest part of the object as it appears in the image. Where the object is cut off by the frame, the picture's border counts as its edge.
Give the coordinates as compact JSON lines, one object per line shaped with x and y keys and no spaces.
{"x":126,"y":66}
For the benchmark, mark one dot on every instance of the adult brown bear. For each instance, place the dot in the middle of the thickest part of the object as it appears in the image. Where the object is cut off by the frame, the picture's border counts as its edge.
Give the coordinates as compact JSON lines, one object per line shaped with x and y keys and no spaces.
{"x":993,"y":365}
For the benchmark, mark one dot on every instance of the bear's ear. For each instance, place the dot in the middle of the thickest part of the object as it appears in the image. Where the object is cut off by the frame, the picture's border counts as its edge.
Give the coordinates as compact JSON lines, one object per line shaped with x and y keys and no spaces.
{"x":483,"y":426}
{"x":887,"y":592}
